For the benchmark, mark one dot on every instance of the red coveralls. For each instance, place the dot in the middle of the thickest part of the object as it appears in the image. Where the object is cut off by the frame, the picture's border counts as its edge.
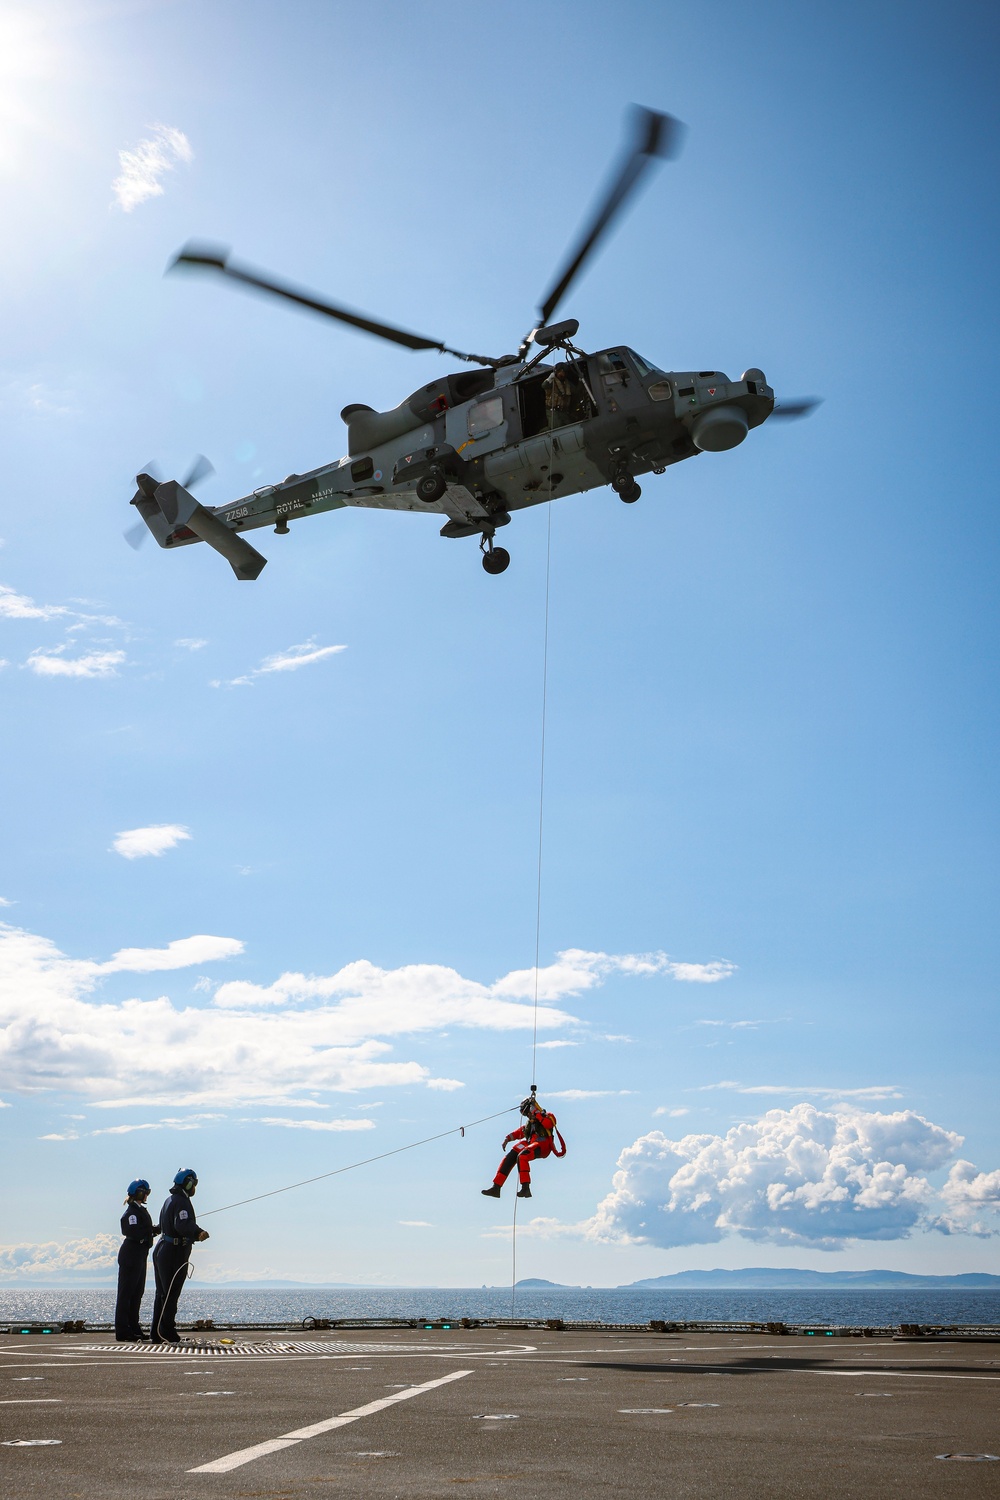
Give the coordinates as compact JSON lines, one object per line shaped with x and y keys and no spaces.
{"x":536,"y":1137}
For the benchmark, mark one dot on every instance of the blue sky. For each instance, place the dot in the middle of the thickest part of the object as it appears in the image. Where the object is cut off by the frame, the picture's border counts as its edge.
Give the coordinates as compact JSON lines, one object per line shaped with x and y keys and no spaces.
{"x":771,"y":817}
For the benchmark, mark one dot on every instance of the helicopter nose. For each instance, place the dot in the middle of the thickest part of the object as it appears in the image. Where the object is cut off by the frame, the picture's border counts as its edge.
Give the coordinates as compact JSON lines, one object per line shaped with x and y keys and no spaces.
{"x":720,"y":428}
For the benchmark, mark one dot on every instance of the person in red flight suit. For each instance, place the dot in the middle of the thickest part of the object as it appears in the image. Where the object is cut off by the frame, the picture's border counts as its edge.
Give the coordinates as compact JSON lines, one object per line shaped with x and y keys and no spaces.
{"x":534,"y":1140}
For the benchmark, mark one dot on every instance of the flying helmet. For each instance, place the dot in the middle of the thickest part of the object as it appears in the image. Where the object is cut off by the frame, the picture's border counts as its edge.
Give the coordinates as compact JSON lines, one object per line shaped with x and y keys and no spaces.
{"x":140,"y":1185}
{"x":186,"y":1179}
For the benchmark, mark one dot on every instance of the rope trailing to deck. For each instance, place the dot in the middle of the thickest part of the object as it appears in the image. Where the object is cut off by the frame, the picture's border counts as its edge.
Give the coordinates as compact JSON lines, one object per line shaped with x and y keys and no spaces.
{"x":367,"y":1161}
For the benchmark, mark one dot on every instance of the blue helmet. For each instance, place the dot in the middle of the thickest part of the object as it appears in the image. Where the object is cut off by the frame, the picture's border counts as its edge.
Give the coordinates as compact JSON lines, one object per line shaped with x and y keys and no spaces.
{"x":140,"y":1185}
{"x":186,"y":1179}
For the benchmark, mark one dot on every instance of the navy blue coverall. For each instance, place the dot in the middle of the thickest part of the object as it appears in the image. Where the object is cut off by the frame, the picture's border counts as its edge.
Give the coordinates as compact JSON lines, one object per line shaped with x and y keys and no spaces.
{"x":178,"y":1230}
{"x":137,"y":1227}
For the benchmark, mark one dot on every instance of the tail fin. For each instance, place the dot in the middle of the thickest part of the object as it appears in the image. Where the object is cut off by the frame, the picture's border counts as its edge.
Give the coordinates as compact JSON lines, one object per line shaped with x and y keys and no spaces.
{"x":178,"y":507}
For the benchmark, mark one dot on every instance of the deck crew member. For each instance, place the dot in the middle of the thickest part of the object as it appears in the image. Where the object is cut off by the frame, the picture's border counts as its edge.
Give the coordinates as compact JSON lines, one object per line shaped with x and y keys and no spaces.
{"x":534,"y":1140}
{"x":137,"y":1227}
{"x":178,"y":1232}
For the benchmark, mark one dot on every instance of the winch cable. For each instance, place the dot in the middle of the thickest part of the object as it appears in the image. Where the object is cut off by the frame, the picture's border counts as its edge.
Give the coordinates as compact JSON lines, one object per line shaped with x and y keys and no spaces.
{"x":538,"y":886}
{"x":541,"y":793}
{"x":513,"y":1261}
{"x":353,"y":1166}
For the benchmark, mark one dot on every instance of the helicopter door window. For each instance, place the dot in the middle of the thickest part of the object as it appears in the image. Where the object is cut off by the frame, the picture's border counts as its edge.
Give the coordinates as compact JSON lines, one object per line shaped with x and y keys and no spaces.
{"x":615,"y":372}
{"x":485,"y":416}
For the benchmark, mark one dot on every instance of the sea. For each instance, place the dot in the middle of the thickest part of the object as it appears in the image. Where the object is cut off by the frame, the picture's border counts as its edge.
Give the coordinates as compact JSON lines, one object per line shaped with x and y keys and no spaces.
{"x":825,"y":1309}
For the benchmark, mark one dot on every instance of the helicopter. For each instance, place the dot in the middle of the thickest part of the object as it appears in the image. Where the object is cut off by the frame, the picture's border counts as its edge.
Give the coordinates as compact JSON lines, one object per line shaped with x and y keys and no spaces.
{"x":473,"y":447}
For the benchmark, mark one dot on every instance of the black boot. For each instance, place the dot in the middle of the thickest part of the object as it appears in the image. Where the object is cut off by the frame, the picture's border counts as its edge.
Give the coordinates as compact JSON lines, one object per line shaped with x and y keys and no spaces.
{"x":524,"y":1191}
{"x":492,"y":1192}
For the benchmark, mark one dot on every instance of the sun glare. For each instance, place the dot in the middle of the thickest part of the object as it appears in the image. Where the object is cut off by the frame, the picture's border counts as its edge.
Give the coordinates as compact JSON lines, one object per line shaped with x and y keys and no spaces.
{"x":32,"y":58}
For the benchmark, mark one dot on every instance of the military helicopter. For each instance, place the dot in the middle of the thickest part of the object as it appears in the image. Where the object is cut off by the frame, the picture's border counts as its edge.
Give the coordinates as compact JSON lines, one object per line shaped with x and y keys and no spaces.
{"x":478,"y":445}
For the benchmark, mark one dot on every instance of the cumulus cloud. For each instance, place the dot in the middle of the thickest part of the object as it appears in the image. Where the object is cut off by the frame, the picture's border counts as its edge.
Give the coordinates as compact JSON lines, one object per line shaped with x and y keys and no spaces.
{"x":800,"y":1176}
{"x":672,"y":1114}
{"x":285,"y":661}
{"x":72,"y":1259}
{"x":191,"y":643}
{"x":142,"y":169}
{"x":262,"y":1043}
{"x":137,"y":843}
{"x":55,"y":663}
{"x":971,"y":1201}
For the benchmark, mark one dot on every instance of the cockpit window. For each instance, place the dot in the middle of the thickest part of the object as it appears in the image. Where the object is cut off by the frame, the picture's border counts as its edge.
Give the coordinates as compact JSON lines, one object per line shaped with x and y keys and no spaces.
{"x":643,"y":365}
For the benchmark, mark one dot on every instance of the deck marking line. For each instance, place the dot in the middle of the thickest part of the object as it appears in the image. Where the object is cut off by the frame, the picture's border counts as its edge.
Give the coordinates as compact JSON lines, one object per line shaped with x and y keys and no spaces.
{"x":289,"y":1439}
{"x":33,"y":1401}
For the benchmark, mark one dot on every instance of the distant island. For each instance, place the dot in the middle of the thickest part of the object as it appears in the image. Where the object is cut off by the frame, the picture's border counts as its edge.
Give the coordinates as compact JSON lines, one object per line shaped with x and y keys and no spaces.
{"x":767,"y":1278}
{"x":537,"y":1281}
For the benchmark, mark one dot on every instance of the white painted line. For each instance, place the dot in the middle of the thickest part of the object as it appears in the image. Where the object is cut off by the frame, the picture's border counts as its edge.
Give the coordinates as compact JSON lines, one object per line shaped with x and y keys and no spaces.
{"x":289,"y":1439}
{"x":33,"y":1401}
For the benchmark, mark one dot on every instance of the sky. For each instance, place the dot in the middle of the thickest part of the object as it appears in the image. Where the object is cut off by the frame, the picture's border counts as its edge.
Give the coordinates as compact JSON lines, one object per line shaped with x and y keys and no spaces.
{"x":269,"y":849}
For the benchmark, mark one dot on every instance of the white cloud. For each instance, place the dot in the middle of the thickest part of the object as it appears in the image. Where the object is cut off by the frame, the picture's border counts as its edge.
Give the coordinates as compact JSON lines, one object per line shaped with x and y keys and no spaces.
{"x":5,"y":902}
{"x":710,"y":973}
{"x":967,"y":1196}
{"x":736,"y":1025}
{"x":54,"y":663}
{"x":73,"y":1258}
{"x":795,"y":1177}
{"x":544,"y":1046}
{"x":183,"y":1122}
{"x":69,"y":1135}
{"x":182,"y":953}
{"x":284,"y":661}
{"x":318,"y":1124}
{"x":262,"y":1043}
{"x":588,"y":1093}
{"x":15,"y":606}
{"x":672,"y":1114}
{"x":142,"y":169}
{"x":873,"y":1092}
{"x":137,"y":843}
{"x":191,"y":643}
{"x":415,"y":1224}
{"x":297,"y":656}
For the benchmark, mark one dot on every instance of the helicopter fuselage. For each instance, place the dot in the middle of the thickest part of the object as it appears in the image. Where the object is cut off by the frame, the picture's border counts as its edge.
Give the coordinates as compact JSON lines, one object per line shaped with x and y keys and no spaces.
{"x":491,"y":443}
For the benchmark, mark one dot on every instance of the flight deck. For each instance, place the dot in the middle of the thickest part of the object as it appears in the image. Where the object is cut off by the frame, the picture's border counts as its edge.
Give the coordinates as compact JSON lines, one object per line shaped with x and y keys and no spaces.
{"x":486,"y":1411}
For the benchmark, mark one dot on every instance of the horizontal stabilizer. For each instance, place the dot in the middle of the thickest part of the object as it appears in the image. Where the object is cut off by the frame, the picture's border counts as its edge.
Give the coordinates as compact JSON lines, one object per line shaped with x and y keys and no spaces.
{"x":182,"y":509}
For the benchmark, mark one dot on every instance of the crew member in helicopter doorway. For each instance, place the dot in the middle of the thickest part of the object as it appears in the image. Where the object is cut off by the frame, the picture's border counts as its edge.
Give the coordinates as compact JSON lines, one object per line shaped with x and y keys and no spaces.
{"x":138,"y":1231}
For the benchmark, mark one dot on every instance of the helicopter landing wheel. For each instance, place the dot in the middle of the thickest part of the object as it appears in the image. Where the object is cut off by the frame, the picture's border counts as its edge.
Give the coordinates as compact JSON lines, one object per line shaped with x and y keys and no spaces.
{"x":497,"y":560}
{"x":629,"y":493}
{"x":431,"y":486}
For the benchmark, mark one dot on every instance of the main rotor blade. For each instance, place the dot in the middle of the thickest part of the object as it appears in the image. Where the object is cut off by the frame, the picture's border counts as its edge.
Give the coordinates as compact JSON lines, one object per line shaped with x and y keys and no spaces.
{"x":654,"y":135}
{"x":216,"y":258}
{"x":800,"y":408}
{"x":136,"y":535}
